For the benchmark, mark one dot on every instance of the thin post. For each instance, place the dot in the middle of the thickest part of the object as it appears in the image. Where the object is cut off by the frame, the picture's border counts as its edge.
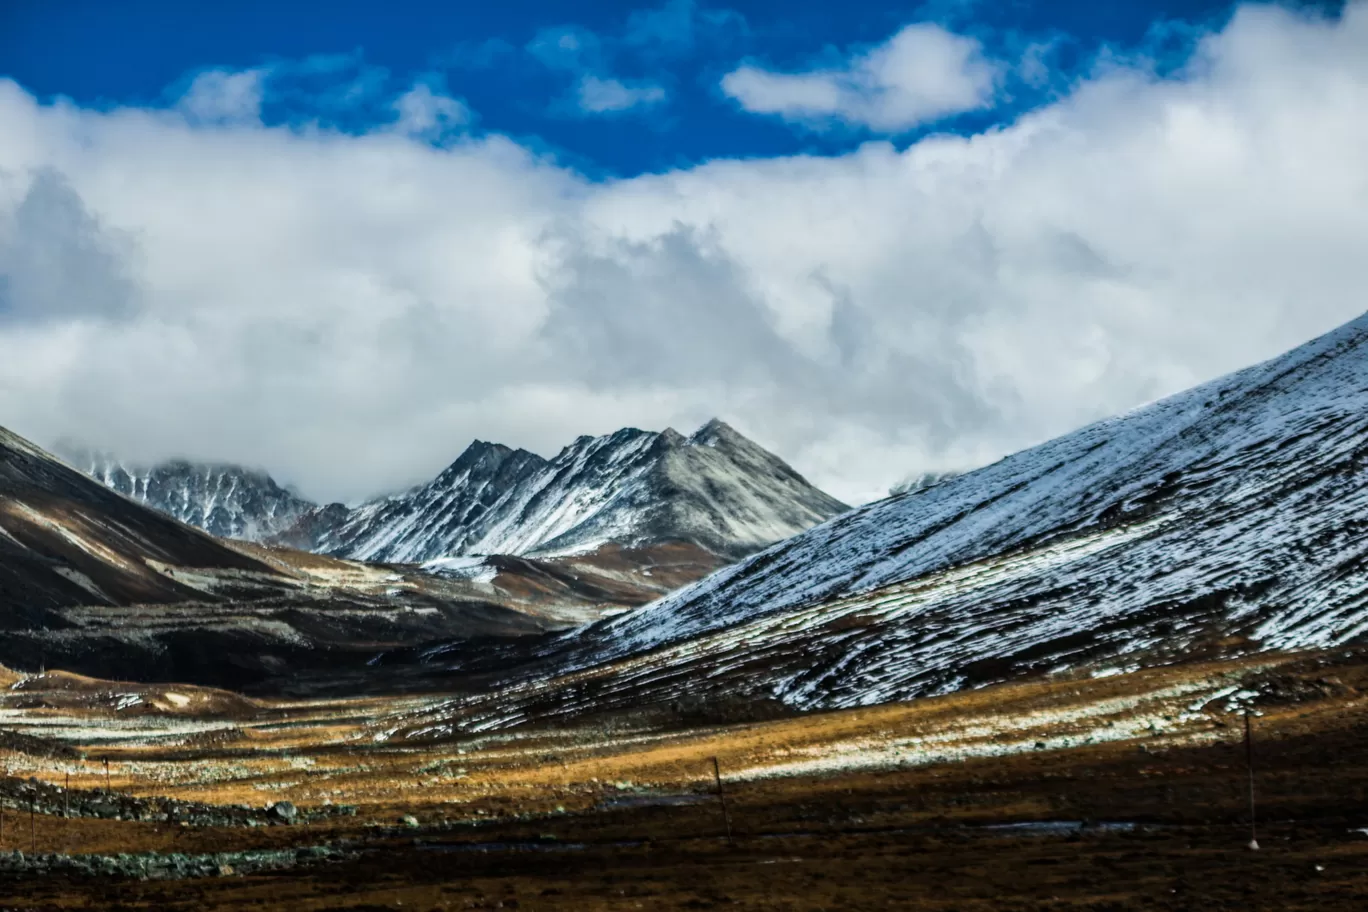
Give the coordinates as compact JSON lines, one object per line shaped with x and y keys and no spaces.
{"x":108,"y":790}
{"x":722,"y":797}
{"x":1249,"y":763}
{"x":66,"y":797}
{"x":33,"y":827}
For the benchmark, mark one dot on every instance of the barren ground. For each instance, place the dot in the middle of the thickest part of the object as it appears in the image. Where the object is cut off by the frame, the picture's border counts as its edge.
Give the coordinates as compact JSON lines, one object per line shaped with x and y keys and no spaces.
{"x":907,"y":806}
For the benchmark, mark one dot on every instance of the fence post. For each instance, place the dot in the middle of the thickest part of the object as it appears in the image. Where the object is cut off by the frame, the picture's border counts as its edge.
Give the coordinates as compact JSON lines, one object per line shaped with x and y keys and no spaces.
{"x":1249,"y":763}
{"x":722,"y":797}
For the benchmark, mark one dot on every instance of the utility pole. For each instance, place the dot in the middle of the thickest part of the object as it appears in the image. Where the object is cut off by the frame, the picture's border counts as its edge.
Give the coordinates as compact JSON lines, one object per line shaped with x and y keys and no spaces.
{"x":722,"y":797}
{"x":1249,"y":762}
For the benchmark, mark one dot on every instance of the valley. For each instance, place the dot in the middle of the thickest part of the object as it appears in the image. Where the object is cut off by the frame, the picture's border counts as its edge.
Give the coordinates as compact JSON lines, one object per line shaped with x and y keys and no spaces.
{"x":1020,"y":687}
{"x":787,"y":457}
{"x":1114,"y":791}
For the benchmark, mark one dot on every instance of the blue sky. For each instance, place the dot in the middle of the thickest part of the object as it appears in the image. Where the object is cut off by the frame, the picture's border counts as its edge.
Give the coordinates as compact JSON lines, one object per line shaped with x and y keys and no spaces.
{"x":501,"y":60}
{"x":339,"y":241}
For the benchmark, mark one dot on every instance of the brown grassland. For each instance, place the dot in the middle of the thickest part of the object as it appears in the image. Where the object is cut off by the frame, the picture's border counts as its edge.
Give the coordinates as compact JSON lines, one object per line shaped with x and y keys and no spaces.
{"x":1116,"y":792}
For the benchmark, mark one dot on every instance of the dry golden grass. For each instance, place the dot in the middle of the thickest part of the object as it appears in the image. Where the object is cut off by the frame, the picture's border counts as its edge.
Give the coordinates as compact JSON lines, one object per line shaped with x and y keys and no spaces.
{"x":336,"y":751}
{"x":863,"y":829}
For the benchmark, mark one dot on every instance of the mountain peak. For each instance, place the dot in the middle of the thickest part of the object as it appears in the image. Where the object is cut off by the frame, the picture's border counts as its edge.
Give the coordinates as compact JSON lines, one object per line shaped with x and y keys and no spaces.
{"x":477,"y":451}
{"x":715,"y":431}
{"x":634,"y":488}
{"x":1228,"y":517}
{"x":631,"y":488}
{"x":673,"y":437}
{"x":221,"y":498}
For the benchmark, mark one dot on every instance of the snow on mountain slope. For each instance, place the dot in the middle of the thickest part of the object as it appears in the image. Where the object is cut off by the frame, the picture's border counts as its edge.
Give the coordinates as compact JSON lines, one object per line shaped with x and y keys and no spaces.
{"x":914,"y":483}
{"x":632,"y":488}
{"x":1253,"y":480}
{"x":436,"y":519}
{"x":1229,"y":518}
{"x":94,"y":581}
{"x":65,"y":540}
{"x":224,"y":500}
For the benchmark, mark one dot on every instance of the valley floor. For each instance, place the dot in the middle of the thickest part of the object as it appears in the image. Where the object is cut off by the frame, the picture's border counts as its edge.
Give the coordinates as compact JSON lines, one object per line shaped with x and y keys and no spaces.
{"x":1116,"y":792}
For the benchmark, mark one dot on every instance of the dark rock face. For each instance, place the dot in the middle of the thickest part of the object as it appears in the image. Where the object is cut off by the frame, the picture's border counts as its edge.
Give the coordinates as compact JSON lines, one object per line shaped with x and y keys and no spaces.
{"x":54,"y":801}
{"x":171,"y":866}
{"x":283,"y":812}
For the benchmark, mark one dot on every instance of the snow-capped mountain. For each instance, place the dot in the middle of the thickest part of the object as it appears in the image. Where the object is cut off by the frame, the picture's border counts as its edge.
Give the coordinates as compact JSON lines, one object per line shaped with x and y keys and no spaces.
{"x":633,"y":488}
{"x":65,"y":540}
{"x":1229,"y":518}
{"x":95,"y":582}
{"x":224,"y":500}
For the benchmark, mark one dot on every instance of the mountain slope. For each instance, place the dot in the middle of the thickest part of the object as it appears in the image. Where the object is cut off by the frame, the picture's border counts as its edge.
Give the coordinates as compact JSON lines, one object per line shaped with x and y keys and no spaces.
{"x":1230,"y":518}
{"x":223,"y":500}
{"x":716,"y":490}
{"x":65,"y":540}
{"x":437,"y":519}
{"x":95,"y":582}
{"x":632,"y":490}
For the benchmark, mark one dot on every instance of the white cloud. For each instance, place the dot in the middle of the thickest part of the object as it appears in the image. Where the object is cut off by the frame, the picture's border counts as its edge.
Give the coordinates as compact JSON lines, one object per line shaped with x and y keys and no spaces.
{"x":603,"y":96}
{"x":429,"y":113}
{"x":349,"y":311}
{"x":575,"y":50}
{"x":224,"y":96}
{"x":920,"y":75}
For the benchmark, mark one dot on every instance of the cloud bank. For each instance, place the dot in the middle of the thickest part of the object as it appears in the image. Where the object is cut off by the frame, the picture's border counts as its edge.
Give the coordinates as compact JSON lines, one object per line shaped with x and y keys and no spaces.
{"x":921,"y":74}
{"x":349,"y":309}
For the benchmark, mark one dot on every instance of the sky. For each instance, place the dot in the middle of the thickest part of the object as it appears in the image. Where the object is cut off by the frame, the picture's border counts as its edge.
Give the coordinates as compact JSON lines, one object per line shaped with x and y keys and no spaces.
{"x":879,"y":239}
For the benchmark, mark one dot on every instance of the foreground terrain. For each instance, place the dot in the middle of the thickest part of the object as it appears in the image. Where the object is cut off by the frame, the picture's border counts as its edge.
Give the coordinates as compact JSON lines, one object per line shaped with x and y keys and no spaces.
{"x":1102,"y":791}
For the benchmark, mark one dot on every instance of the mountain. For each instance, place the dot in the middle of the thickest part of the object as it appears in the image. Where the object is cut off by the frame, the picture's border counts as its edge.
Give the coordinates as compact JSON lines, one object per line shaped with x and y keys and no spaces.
{"x":632,"y":490}
{"x":95,"y":582}
{"x":1229,"y":519}
{"x":223,"y":500}
{"x":716,"y":490}
{"x":67,"y":541}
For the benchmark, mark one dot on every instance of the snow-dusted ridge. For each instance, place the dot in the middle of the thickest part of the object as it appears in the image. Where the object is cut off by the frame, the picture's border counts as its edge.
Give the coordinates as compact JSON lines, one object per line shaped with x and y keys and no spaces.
{"x":222,"y":499}
{"x":633,"y":488}
{"x":1247,"y":470}
{"x":1227,"y":519}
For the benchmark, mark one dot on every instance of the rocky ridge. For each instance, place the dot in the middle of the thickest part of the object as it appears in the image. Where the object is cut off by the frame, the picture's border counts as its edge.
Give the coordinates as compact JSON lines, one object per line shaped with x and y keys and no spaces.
{"x":632,"y":489}
{"x":1227,"y":520}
